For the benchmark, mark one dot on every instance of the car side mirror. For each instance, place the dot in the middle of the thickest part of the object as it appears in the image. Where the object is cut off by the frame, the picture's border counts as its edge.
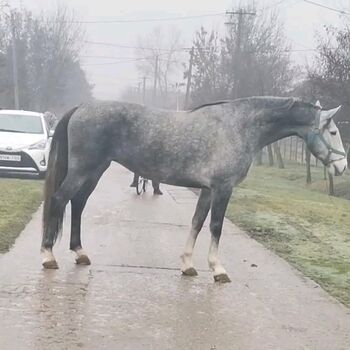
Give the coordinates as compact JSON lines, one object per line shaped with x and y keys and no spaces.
{"x":51,"y":132}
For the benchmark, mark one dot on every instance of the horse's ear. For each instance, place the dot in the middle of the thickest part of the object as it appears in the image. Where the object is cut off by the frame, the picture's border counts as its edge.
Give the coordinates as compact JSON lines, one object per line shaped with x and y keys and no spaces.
{"x":326,"y":115}
{"x":318,"y":104}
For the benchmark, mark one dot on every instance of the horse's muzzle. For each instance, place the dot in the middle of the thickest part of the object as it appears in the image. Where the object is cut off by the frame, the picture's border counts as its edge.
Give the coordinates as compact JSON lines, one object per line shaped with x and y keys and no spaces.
{"x":338,"y":172}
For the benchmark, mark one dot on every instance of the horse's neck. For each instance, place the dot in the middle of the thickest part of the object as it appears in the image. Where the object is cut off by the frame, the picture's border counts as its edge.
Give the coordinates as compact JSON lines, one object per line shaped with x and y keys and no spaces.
{"x":266,"y":130}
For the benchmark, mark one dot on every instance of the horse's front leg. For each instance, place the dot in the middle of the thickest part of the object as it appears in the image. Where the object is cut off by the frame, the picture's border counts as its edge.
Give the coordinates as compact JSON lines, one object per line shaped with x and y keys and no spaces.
{"x":220,"y":199}
{"x":202,"y":209}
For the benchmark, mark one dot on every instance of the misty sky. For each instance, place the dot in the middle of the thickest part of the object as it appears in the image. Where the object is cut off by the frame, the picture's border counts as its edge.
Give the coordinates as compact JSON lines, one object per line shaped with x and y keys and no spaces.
{"x":301,"y":20}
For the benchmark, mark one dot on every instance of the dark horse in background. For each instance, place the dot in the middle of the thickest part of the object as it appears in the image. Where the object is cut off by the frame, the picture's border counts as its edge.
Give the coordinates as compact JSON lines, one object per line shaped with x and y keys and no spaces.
{"x":210,"y":147}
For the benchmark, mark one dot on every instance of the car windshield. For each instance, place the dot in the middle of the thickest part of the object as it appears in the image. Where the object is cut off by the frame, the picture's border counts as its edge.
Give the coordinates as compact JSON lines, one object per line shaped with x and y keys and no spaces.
{"x":30,"y":124}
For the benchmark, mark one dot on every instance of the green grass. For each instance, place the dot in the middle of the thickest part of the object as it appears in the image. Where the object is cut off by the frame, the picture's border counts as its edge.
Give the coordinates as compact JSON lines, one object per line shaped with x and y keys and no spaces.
{"x":300,"y":223}
{"x":18,"y":200}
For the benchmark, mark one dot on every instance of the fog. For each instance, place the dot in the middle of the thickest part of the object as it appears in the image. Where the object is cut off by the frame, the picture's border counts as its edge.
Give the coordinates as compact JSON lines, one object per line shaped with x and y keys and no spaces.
{"x":301,"y":20}
{"x":230,"y":117}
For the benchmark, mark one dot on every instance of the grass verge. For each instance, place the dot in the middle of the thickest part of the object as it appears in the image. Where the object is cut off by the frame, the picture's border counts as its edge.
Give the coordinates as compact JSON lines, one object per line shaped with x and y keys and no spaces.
{"x":18,"y":200}
{"x":300,"y":222}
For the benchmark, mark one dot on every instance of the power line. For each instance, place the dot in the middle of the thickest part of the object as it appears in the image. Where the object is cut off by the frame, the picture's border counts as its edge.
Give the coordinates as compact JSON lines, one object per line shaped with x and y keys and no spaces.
{"x":327,"y":7}
{"x":127,"y":61}
{"x":113,"y":78}
{"x":275,"y":4}
{"x":150,"y":19}
{"x":123,"y":60}
{"x":106,"y":57}
{"x":115,"y":62}
{"x":122,"y":46}
{"x":129,"y":46}
{"x":281,"y":2}
{"x":300,"y":50}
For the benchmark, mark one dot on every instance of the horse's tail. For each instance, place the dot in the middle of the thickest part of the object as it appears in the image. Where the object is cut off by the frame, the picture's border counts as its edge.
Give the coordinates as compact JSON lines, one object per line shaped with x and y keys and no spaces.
{"x":56,"y":172}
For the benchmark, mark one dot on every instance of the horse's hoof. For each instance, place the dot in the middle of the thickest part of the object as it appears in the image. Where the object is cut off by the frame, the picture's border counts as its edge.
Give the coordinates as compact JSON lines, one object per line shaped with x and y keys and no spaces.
{"x":50,"y":265}
{"x":83,"y":260}
{"x":222,"y":278}
{"x":191,"y":271}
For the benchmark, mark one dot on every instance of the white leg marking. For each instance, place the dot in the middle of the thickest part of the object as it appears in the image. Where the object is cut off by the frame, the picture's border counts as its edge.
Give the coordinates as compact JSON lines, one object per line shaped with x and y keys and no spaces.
{"x":213,"y":260}
{"x":186,"y":257}
{"x":80,"y":252}
{"x":47,"y":255}
{"x":82,"y":258}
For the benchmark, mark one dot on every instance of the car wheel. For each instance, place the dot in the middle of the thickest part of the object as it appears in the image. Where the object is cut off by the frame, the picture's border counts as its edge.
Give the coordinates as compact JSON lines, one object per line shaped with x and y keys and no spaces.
{"x":42,"y":175}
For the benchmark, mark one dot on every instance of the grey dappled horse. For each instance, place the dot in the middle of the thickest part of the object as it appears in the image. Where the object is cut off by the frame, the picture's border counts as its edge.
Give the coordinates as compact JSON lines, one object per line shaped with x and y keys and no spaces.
{"x":210,"y":147}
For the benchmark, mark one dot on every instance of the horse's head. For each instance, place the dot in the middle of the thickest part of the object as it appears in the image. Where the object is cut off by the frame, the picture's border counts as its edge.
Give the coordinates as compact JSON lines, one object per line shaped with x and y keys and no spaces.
{"x":324,"y":141}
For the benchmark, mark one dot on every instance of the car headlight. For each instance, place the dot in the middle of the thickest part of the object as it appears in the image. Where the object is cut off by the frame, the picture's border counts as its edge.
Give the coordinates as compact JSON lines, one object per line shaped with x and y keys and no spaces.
{"x":38,"y":145}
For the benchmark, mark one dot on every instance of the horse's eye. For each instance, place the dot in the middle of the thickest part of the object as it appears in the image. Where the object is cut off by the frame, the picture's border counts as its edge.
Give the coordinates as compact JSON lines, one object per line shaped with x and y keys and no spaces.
{"x":333,"y":133}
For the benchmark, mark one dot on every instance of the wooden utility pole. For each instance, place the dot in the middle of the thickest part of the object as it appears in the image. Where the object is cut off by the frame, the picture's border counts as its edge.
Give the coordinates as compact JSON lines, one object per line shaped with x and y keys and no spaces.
{"x":308,"y":166}
{"x":259,"y":157}
{"x":277,"y":151}
{"x":189,"y":78}
{"x":177,"y":96}
{"x":14,"y":63}
{"x":302,"y":152}
{"x":155,"y":80}
{"x":331,"y":185}
{"x":270,"y":154}
{"x":139,"y":95}
{"x":144,"y":90}
{"x":240,"y":14}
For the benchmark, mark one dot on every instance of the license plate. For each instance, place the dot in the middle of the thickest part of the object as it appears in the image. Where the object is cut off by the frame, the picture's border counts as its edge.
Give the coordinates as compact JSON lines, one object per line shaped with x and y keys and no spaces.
{"x":10,"y":157}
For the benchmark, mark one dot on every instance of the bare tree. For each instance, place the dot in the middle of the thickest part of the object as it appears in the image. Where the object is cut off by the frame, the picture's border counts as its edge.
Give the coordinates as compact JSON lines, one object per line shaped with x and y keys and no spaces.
{"x":158,"y":58}
{"x":251,"y":60}
{"x":208,"y":82}
{"x":256,"y":55}
{"x":330,"y":75}
{"x":47,"y":47}
{"x":329,"y":80}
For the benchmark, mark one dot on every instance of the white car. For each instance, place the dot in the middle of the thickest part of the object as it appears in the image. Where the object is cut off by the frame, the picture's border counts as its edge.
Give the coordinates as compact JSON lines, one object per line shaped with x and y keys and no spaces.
{"x":24,"y":142}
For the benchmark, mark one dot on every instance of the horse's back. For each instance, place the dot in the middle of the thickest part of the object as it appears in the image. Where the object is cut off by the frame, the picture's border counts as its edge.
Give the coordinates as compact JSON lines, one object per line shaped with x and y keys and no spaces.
{"x":163,"y":145}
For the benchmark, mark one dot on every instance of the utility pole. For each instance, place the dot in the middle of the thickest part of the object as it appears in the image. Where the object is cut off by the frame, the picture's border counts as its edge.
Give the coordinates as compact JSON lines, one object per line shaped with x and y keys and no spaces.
{"x":139,"y":96}
{"x":177,"y":96}
{"x":177,"y":93}
{"x":155,"y":80}
{"x":240,"y":14}
{"x":144,"y":90}
{"x":189,"y":78}
{"x":14,"y":63}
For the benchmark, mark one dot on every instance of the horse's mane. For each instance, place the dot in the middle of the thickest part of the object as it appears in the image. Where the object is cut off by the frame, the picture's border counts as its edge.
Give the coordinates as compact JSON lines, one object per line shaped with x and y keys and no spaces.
{"x":211,"y":104}
{"x":269,"y":102}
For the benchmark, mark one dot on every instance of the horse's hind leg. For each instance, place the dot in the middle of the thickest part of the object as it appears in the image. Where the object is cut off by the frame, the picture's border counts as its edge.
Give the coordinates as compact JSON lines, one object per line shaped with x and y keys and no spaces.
{"x":77,"y":206}
{"x":220,"y":199}
{"x":69,"y":188}
{"x":202,"y":209}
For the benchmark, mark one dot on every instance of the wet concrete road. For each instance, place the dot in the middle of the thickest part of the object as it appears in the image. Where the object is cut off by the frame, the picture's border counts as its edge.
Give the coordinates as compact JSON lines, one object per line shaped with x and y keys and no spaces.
{"x":133,"y":296}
